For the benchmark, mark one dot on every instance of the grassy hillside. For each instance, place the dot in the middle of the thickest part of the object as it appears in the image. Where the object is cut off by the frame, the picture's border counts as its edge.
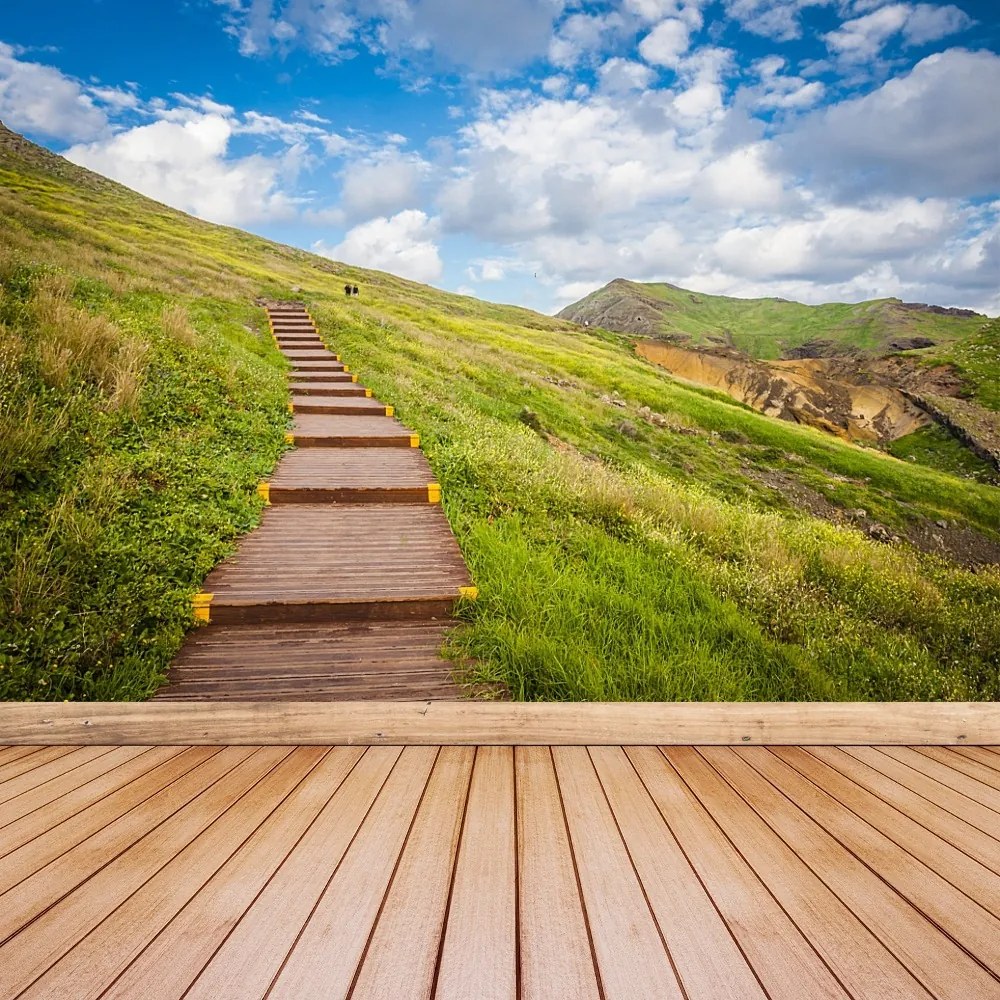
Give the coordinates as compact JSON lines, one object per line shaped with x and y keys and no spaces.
{"x":764,"y":328}
{"x":631,"y":537}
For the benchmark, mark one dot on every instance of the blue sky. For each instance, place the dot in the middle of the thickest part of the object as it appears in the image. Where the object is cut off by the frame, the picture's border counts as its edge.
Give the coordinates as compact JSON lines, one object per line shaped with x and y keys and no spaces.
{"x":531,"y":150}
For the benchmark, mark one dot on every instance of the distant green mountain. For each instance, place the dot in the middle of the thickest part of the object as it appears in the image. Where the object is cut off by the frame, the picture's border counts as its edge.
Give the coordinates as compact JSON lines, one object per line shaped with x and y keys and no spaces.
{"x":770,"y":328}
{"x":632,"y":536}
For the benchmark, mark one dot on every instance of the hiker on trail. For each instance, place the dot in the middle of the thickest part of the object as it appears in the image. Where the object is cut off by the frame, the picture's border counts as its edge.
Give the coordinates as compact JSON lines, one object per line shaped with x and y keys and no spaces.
{"x":347,"y":290}
{"x":355,"y":292}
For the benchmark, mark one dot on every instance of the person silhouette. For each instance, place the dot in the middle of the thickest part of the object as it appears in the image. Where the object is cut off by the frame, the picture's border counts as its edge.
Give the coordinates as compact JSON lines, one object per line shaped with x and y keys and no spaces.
{"x":354,"y":291}
{"x":347,"y":290}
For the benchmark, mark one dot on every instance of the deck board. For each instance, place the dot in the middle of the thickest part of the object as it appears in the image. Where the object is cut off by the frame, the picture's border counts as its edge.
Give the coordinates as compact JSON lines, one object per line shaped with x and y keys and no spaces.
{"x":490,"y":872}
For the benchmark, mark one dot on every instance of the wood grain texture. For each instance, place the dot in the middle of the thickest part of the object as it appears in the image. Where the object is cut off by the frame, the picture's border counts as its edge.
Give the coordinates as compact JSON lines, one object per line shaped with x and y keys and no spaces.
{"x":527,"y":724}
{"x":479,"y":954}
{"x":489,"y":872}
{"x":629,"y":950}
{"x":850,"y":949}
{"x":255,"y":951}
{"x":556,"y":954}
{"x":938,"y":962}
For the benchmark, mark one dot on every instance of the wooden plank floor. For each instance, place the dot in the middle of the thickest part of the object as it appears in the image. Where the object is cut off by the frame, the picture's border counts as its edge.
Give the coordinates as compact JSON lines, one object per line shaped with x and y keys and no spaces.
{"x":353,"y":573}
{"x":787,"y":873}
{"x":318,"y":662}
{"x":340,"y":560}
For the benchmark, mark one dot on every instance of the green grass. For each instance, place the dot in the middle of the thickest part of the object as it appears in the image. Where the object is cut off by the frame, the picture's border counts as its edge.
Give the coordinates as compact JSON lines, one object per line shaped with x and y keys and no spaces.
{"x":616,"y":557}
{"x":765,"y":328}
{"x":935,"y":448}
{"x":114,"y":505}
{"x":977,"y":360}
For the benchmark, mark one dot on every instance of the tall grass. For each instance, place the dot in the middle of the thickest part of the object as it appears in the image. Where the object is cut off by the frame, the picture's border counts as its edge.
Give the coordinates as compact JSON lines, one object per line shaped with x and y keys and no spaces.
{"x":129,"y":453}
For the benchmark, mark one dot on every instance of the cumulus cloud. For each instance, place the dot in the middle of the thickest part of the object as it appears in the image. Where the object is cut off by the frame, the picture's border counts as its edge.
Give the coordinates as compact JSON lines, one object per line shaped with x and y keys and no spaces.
{"x":582,"y":36}
{"x":929,"y":22}
{"x":780,"y":20}
{"x":382,"y":184}
{"x":487,"y":37}
{"x":403,"y":244}
{"x":863,"y":38}
{"x":666,"y":43}
{"x":326,"y":27}
{"x":836,"y":242}
{"x":619,"y":75}
{"x":924,"y":133}
{"x":784,"y":91}
{"x":40,"y":99}
{"x":184,"y":164}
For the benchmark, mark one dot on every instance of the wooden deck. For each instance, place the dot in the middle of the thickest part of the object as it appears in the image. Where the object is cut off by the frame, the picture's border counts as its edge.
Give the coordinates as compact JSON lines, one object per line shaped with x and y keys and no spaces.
{"x":500,"y":872}
{"x":353,"y":572}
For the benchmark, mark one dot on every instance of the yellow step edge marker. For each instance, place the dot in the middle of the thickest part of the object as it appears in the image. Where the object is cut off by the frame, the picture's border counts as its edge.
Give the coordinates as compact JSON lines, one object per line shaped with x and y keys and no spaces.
{"x":289,"y":438}
{"x":346,"y":369}
{"x":414,"y":440}
{"x":354,"y":378}
{"x":433,"y":492}
{"x":469,"y":593}
{"x":368,"y":394}
{"x":390,"y":411}
{"x":200,"y":603}
{"x":264,"y":492}
{"x":291,"y":407}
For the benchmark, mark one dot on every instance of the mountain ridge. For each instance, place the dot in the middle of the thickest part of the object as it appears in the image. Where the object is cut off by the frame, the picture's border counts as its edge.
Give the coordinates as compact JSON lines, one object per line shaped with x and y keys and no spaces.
{"x":767,"y":328}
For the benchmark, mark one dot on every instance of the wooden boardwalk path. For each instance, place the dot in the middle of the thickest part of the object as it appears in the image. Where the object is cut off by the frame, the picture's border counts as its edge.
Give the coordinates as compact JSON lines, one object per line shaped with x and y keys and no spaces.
{"x":346,"y":589}
{"x":499,"y":872}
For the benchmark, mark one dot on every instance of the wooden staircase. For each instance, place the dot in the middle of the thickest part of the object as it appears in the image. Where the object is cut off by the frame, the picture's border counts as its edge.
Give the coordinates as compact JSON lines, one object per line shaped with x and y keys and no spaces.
{"x":347,"y":588}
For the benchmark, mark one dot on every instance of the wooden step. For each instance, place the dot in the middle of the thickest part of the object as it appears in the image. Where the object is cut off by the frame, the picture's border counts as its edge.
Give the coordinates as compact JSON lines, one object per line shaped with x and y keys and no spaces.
{"x":328,"y":562}
{"x":315,"y":387}
{"x":297,"y":375}
{"x":317,"y":365}
{"x":357,"y":406}
{"x":354,"y":475}
{"x":339,"y":431}
{"x":297,"y":354}
{"x":324,"y":662}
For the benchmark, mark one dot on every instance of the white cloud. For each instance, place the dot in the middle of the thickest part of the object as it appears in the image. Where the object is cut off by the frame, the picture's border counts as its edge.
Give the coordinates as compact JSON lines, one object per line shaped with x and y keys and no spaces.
{"x":666,"y":43}
{"x":652,"y":11}
{"x":777,"y":19}
{"x":403,"y":244}
{"x":741,"y":180}
{"x":326,"y":27}
{"x":835,"y":242}
{"x":863,"y":38}
{"x":184,"y":164}
{"x":556,"y":85}
{"x":486,"y":270}
{"x":382,"y":184}
{"x":582,"y":36}
{"x":621,"y":75}
{"x":40,"y":99}
{"x":929,"y":22}
{"x":488,"y":37}
{"x":923,"y":133}
{"x":779,"y":90}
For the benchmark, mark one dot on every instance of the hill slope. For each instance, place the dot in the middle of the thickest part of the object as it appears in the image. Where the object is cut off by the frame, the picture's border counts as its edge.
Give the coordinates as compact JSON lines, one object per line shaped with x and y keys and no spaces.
{"x":769,"y":328}
{"x":632,"y":537}
{"x":874,"y":371}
